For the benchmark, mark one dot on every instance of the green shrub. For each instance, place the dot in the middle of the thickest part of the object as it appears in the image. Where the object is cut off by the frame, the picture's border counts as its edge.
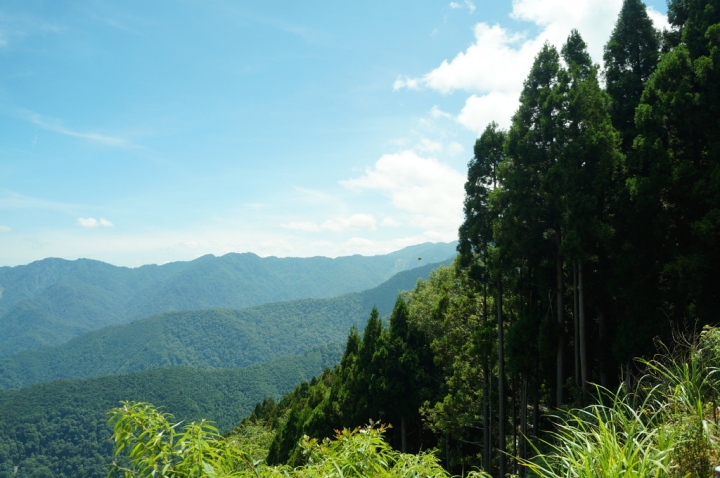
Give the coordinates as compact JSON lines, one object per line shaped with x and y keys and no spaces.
{"x":147,"y":444}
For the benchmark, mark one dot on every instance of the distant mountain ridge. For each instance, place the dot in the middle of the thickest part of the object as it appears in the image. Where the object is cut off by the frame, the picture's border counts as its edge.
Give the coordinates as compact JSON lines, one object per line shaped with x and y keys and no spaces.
{"x":49,"y":302}
{"x":208,"y":338}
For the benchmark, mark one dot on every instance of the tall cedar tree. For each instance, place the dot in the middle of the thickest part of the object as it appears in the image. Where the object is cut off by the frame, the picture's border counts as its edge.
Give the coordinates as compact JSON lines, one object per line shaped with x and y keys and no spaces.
{"x":406,"y":362}
{"x":675,"y":175}
{"x":631,"y":55}
{"x":531,"y":187}
{"x":590,"y":160}
{"x":476,"y":239}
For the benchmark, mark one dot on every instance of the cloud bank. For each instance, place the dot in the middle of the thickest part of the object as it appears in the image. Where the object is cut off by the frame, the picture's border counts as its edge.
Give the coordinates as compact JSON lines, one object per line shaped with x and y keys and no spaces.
{"x":430,"y":192}
{"x":494,"y":67}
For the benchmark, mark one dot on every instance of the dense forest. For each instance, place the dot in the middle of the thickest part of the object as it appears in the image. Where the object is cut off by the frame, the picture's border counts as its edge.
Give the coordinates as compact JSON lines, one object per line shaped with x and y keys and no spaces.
{"x":591,"y":242}
{"x":576,"y":332}
{"x":207,"y":338}
{"x":666,"y":425}
{"x":60,"y":428}
{"x":49,"y":302}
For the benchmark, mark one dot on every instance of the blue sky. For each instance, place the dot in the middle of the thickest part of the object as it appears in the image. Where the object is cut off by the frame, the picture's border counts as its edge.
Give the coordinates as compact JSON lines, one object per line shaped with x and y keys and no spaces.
{"x":142,"y":132}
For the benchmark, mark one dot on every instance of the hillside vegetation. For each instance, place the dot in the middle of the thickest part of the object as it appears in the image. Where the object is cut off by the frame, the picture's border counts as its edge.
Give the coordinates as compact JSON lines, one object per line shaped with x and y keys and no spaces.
{"x":51,"y":301}
{"x":60,"y":429}
{"x":211,"y":338}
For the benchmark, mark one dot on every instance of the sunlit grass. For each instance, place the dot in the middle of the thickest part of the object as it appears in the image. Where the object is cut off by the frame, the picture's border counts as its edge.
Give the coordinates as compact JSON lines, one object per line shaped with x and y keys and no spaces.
{"x":667,"y":426}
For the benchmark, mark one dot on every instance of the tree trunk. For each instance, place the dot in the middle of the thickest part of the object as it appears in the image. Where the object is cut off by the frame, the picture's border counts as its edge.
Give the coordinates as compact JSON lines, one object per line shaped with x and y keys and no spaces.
{"x":576,"y":344}
{"x":501,"y":381}
{"x":514,"y":424}
{"x":523,"y":422}
{"x":487,"y":411}
{"x":536,"y":408}
{"x":486,"y":416}
{"x":560,"y":322}
{"x":583,"y":343}
{"x":490,"y":404}
{"x":403,"y":433}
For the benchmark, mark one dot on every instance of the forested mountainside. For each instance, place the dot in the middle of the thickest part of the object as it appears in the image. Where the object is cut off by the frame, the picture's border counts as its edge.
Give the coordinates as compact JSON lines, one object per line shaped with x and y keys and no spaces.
{"x":210,"y":338}
{"x":591,"y":242}
{"x":51,"y":301}
{"x":426,"y":372}
{"x":60,"y":428}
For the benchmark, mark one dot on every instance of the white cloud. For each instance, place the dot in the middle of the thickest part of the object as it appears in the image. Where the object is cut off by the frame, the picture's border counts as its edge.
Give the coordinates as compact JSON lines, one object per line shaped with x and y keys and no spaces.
{"x":56,"y":126}
{"x":479,"y":111}
{"x":493,"y":63}
{"x":390,"y":222}
{"x":659,"y":20}
{"x":428,"y":146}
{"x":353,"y":222}
{"x":409,"y":83}
{"x":431,"y":192}
{"x":5,"y":229}
{"x":455,"y":148}
{"x":468,"y":4}
{"x":494,"y":67}
{"x":92,"y":223}
{"x":436,"y":112}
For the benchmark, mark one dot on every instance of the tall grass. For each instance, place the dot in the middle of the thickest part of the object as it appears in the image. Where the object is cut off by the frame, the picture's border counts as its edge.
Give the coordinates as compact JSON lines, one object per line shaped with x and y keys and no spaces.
{"x":615,"y":440}
{"x":688,"y":380}
{"x":667,"y":426}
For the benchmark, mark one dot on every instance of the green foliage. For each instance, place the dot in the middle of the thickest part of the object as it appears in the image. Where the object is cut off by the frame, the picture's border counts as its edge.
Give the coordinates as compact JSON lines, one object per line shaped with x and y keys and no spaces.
{"x":665,"y":427}
{"x":606,"y":441}
{"x":51,"y":301}
{"x":156,"y":448}
{"x":385,"y":375}
{"x":62,"y":426}
{"x":631,"y":55}
{"x":688,"y":380}
{"x":214,"y":338}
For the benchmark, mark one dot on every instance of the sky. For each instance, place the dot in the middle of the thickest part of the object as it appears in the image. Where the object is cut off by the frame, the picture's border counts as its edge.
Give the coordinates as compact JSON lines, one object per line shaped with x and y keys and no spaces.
{"x":140,"y":132}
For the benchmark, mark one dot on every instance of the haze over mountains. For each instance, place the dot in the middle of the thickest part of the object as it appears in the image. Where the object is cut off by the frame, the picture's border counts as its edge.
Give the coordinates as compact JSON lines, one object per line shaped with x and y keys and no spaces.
{"x":207,"y":338}
{"x":49,"y":302}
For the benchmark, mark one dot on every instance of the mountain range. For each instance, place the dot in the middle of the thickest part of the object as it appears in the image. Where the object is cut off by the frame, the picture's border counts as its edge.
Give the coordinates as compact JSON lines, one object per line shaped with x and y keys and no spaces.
{"x":49,"y":302}
{"x":207,"y":338}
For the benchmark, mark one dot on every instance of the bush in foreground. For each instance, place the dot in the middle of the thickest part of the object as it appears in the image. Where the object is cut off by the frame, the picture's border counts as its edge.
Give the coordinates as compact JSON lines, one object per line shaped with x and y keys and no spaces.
{"x":148,"y":444}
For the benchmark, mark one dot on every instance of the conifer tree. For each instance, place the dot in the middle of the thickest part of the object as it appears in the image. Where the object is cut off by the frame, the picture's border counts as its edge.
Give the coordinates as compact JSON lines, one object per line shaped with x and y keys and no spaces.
{"x":631,"y":55}
{"x":531,"y":189}
{"x":675,"y":177}
{"x":590,"y":160}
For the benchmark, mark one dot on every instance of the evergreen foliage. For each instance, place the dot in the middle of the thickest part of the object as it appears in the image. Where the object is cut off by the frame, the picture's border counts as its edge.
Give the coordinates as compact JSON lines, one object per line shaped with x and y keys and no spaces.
{"x":60,"y":428}
{"x":591,"y":236}
{"x":51,"y":301}
{"x":214,"y":338}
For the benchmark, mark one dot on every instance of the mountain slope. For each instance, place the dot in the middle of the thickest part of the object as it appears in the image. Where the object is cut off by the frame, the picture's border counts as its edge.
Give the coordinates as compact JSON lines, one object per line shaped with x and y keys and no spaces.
{"x":51,"y":301}
{"x":60,"y":428}
{"x":209,"y":338}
